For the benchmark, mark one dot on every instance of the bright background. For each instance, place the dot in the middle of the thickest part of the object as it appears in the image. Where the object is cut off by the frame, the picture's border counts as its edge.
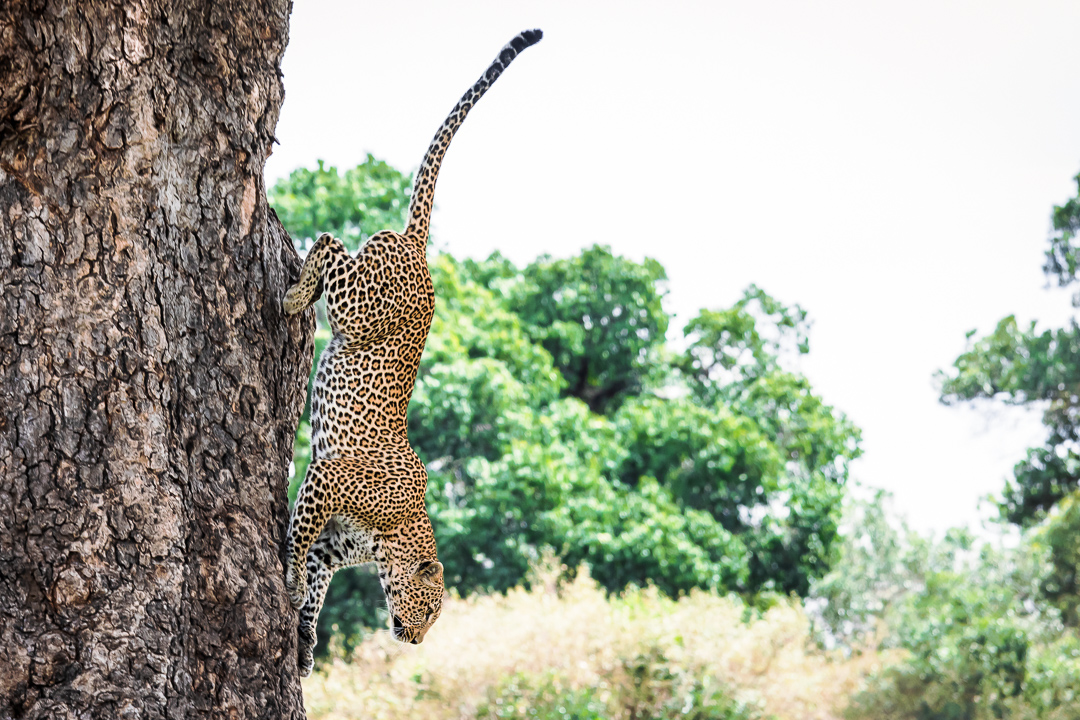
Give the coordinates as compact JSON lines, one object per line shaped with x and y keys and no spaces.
{"x":889,"y":166}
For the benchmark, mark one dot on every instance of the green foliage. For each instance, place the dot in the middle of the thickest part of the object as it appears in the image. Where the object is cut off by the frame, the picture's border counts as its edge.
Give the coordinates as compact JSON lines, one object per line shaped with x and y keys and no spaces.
{"x":734,"y":364}
{"x":1059,"y":536}
{"x":368,"y":198}
{"x":646,"y":686}
{"x":730,"y":349}
{"x":992,"y":633}
{"x":711,"y":459}
{"x":521,"y":697}
{"x":1022,"y":366}
{"x":965,"y":649}
{"x":553,"y":417}
{"x":549,"y":489}
{"x":1063,"y":257}
{"x":1052,"y":683}
{"x":599,"y":316}
{"x":878,"y":564}
{"x":672,"y":488}
{"x":982,"y":636}
{"x":354,"y":604}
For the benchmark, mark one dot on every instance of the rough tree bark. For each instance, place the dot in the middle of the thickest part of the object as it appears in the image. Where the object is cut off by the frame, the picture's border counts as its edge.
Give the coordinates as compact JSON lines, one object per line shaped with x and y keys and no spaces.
{"x":149,"y":383}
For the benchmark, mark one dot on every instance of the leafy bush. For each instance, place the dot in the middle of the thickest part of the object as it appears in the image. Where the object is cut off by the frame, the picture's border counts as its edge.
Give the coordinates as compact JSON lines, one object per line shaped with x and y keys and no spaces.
{"x":981,"y":636}
{"x":520,"y":697}
{"x":652,"y":689}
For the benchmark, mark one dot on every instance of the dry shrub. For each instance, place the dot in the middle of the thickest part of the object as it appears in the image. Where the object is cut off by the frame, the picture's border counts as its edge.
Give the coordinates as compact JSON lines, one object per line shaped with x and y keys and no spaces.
{"x":634,"y":654}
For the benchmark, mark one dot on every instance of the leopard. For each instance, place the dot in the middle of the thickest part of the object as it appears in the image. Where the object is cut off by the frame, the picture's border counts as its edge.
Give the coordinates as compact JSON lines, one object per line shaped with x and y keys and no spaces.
{"x":362,"y":497}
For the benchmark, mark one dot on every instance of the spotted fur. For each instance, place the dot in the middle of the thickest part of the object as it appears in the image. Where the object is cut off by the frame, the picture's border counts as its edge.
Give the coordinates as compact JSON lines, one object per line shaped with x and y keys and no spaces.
{"x":362,"y":499}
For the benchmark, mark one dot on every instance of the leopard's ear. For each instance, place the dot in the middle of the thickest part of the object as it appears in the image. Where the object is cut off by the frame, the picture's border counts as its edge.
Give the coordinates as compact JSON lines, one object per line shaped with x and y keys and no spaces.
{"x":430,"y":573}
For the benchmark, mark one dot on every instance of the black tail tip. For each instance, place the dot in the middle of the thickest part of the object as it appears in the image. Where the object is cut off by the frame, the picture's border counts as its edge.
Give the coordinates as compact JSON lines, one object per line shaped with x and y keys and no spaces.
{"x":526,"y":38}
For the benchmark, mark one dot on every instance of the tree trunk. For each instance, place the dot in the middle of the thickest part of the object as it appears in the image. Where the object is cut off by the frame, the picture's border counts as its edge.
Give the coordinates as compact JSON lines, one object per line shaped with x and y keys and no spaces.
{"x":150,"y":385}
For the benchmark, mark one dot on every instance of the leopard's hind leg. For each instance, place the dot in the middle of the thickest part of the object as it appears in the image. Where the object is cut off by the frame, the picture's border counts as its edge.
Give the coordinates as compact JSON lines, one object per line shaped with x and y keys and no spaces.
{"x":319,"y":572}
{"x":309,"y":516}
{"x":339,"y":546}
{"x":309,"y":287}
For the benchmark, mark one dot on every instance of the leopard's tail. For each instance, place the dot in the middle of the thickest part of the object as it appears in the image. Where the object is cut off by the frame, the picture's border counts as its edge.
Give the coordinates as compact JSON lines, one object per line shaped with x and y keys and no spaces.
{"x":424,"y":188}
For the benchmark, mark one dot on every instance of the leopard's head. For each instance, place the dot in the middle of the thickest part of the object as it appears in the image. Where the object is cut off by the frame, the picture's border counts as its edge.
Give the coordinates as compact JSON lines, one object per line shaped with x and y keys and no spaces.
{"x":414,"y":598}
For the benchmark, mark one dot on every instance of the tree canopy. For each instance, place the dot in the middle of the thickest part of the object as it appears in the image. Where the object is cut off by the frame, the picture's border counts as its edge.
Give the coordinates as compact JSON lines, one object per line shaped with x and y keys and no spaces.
{"x":556,"y":412}
{"x":352,"y":205}
{"x":1023,"y":365}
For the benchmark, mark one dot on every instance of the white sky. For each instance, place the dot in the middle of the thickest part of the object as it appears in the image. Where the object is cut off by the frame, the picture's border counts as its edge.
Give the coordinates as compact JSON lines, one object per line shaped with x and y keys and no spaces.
{"x":889,"y":166}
